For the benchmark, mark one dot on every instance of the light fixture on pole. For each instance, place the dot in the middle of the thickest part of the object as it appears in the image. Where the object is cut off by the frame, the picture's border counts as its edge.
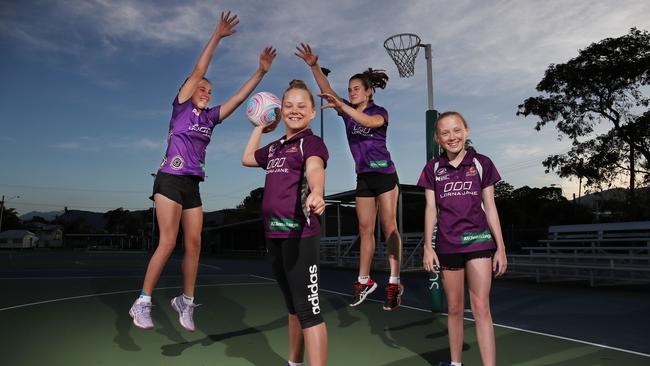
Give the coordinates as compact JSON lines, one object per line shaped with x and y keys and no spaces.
{"x":2,"y":207}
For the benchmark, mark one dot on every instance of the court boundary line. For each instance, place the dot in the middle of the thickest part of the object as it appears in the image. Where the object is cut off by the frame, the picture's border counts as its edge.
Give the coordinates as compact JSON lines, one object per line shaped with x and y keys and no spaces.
{"x":125,"y":276}
{"x":498,"y":325}
{"x":127,"y":291}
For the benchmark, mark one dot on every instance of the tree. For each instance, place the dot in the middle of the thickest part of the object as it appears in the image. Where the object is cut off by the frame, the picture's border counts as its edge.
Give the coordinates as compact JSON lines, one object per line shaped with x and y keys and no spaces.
{"x":10,"y":219}
{"x":603,"y":85}
{"x":253,"y":202}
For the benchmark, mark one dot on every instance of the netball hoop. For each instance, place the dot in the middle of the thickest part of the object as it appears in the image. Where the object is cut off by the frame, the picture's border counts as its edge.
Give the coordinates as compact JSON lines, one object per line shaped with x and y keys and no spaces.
{"x":403,"y":49}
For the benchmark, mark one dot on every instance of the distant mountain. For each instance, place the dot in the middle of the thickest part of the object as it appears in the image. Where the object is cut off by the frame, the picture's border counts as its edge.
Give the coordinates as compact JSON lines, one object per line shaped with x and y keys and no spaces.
{"x":49,"y":216}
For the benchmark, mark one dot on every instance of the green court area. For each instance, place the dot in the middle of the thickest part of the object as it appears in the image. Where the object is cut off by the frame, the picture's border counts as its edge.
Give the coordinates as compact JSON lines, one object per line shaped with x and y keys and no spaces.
{"x":81,"y":318}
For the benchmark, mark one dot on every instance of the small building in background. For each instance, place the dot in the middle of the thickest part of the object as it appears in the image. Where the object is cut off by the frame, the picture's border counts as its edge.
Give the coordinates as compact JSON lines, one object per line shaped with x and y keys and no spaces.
{"x":18,"y":239}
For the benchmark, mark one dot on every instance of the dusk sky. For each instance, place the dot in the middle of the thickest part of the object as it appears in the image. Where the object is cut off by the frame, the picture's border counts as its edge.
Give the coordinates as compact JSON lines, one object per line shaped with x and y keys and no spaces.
{"x":87,"y":86}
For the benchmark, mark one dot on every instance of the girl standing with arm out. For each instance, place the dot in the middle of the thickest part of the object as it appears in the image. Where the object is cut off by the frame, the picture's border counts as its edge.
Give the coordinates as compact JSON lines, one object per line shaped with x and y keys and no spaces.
{"x":366,"y":127}
{"x":459,"y":192}
{"x":176,"y":187}
{"x":293,"y":200}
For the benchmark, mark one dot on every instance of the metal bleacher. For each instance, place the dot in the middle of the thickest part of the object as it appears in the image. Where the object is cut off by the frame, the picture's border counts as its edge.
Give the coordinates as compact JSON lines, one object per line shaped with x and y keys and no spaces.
{"x":602,"y":254}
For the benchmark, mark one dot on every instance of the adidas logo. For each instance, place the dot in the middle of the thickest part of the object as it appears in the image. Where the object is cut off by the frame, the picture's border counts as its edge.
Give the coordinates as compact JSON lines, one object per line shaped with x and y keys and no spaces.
{"x":312,"y":288}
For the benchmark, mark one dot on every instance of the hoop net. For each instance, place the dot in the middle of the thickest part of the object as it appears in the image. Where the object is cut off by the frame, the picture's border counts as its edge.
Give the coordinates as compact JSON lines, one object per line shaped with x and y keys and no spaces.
{"x":403,"y":49}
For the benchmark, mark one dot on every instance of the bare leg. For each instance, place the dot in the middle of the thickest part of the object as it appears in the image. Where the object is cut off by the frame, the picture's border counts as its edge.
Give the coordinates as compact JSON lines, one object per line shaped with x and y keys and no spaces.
{"x":366,"y":214}
{"x":454,"y":284}
{"x":479,"y":281}
{"x":192,"y":220}
{"x":316,"y":342}
{"x":168,"y":214}
{"x":387,"y":213}
{"x":296,"y":340}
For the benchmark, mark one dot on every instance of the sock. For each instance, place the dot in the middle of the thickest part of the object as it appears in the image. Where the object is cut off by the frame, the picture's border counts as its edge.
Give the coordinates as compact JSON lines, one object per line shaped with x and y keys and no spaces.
{"x":364,"y":279}
{"x":456,"y":364}
{"x":144,"y":296}
{"x":394,"y":280}
{"x":291,"y":363}
{"x":188,"y":300}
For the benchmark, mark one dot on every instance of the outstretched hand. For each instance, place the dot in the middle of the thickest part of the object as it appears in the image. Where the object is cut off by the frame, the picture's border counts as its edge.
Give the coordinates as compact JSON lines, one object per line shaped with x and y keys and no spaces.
{"x":332,"y":101}
{"x":226,"y":26}
{"x":305,"y":53}
{"x":267,"y":57}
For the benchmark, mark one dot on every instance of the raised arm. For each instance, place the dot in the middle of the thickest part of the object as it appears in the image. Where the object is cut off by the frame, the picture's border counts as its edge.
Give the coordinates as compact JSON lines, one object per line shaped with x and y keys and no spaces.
{"x":225,"y":28}
{"x":266,"y":59}
{"x":248,"y":159}
{"x":315,"y":171}
{"x":306,"y":54}
{"x":500,"y":261}
{"x":429,"y":259}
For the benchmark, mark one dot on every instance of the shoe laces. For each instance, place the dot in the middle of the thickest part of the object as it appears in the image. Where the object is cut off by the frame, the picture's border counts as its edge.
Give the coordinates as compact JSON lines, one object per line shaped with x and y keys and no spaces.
{"x":392,"y":290}
{"x":143,"y":308}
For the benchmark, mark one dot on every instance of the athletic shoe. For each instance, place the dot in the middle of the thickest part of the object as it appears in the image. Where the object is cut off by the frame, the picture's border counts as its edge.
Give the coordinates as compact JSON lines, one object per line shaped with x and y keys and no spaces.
{"x":393,"y":296}
{"x":185,"y":312}
{"x":445,"y":364}
{"x":361,"y":291}
{"x":141,"y":314}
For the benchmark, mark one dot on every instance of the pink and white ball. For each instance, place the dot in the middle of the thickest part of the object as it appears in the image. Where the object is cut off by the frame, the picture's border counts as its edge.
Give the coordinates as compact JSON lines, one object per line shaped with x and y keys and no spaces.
{"x":263,"y":109}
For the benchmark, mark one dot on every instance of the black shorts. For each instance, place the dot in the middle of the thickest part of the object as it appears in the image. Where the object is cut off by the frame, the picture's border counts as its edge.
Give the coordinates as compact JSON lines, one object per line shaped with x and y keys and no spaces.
{"x":183,"y":189}
{"x":374,"y":184}
{"x":295,"y":263}
{"x":457,"y":261}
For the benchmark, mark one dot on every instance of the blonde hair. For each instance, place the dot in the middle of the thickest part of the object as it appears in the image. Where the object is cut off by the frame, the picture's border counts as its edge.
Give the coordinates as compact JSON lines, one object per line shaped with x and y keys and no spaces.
{"x":299,"y":84}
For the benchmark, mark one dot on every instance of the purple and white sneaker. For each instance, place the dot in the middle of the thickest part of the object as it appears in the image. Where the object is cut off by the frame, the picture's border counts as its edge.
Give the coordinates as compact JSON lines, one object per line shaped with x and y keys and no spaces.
{"x":185,"y":312}
{"x":141,"y":314}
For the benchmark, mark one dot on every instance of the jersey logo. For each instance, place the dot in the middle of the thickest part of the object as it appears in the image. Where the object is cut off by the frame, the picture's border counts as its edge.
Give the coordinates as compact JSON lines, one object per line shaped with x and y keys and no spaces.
{"x":276,"y":224}
{"x":363,"y":131}
{"x":471,"y":172}
{"x":177,"y":163}
{"x":376,"y":164}
{"x":441,"y":171}
{"x":469,"y":238}
{"x":271,"y":150}
{"x":292,"y":149}
{"x":196,"y":111}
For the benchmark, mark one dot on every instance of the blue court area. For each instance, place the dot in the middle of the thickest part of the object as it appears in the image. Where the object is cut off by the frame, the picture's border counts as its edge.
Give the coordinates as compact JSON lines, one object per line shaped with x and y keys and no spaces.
{"x":71,"y":308}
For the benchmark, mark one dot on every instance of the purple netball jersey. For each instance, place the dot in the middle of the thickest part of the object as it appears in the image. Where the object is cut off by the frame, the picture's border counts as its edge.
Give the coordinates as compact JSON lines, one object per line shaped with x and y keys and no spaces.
{"x":462,"y":224}
{"x":285,"y":187}
{"x":190,"y":130}
{"x":368,"y":145}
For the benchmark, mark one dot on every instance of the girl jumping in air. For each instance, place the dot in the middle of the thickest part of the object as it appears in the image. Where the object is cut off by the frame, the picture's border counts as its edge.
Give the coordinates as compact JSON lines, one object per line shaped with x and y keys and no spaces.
{"x":293,"y":200}
{"x":176,"y":187}
{"x":459,"y":191}
{"x":366,"y":127}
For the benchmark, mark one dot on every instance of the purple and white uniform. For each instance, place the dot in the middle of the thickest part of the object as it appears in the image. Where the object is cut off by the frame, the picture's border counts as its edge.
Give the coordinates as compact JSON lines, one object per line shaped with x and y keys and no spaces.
{"x":190,"y":129}
{"x":462,"y":224}
{"x":285,"y":187}
{"x":368,"y":145}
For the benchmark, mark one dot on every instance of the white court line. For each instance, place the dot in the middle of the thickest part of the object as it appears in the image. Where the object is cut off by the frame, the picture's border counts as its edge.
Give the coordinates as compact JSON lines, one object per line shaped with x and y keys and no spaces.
{"x":127,"y":291}
{"x":210,"y":266}
{"x":100,"y":277}
{"x":498,"y":325}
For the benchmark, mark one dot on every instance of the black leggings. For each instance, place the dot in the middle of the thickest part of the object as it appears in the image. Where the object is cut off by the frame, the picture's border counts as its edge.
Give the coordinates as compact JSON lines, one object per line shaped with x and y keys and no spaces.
{"x":295,"y":264}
